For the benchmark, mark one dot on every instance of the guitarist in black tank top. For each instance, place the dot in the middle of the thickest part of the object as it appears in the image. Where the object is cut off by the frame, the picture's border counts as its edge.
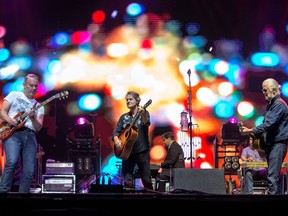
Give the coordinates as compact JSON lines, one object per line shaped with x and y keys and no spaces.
{"x":275,"y":127}
{"x":131,"y":141}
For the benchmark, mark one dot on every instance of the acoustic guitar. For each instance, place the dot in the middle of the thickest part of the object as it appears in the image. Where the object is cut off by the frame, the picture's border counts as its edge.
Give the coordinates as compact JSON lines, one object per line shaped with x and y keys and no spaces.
{"x":128,"y":137}
{"x":258,"y":141}
{"x":6,"y":130}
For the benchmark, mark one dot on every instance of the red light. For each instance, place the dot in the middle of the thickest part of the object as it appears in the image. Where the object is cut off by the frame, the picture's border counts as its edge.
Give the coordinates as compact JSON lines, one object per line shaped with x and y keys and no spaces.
{"x":98,"y":16}
{"x":80,"y":37}
{"x":146,"y":44}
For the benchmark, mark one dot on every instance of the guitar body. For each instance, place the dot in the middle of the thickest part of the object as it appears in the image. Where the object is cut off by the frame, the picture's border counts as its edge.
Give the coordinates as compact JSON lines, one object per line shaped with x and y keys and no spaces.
{"x":128,"y":138}
{"x":6,"y":130}
{"x":259,"y":142}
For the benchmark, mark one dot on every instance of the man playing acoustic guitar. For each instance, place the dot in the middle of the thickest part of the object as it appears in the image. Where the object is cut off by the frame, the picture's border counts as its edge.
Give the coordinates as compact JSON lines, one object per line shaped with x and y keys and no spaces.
{"x":131,"y":135}
{"x":274,"y":128}
{"x":20,"y":139}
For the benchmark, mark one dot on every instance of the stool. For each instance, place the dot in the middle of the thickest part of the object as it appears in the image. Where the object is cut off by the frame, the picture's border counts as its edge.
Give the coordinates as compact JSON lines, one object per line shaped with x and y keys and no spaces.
{"x":260,"y":186}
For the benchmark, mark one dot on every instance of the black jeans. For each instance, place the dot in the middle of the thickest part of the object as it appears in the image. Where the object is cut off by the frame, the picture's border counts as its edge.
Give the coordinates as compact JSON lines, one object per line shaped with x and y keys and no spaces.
{"x":142,"y":160}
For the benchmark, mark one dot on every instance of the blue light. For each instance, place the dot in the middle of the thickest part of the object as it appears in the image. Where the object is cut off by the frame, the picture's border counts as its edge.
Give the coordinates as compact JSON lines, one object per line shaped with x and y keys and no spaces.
{"x":23,"y":62}
{"x":17,"y":85}
{"x":284,"y":89}
{"x":4,"y":54}
{"x":259,"y":120}
{"x":134,"y":9}
{"x":61,"y":38}
{"x":89,"y":102}
{"x":8,"y":87}
{"x":265,"y":59}
{"x":224,"y":109}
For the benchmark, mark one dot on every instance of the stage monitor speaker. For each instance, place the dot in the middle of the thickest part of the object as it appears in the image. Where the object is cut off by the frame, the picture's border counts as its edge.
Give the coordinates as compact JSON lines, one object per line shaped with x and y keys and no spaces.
{"x":202,"y":181}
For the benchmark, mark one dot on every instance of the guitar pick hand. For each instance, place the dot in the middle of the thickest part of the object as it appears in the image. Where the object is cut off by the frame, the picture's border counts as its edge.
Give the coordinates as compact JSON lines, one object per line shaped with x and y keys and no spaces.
{"x":12,"y":122}
{"x":31,"y":114}
{"x":118,"y":144}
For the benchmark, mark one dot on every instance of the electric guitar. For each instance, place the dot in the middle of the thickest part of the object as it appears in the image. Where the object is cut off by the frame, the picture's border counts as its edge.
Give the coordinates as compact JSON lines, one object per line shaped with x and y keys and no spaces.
{"x":258,"y":141}
{"x":128,"y":137}
{"x":6,"y":130}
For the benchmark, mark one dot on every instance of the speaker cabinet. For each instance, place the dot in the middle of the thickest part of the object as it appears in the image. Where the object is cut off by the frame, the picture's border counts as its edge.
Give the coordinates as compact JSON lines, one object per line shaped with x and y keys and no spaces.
{"x":211,"y":181}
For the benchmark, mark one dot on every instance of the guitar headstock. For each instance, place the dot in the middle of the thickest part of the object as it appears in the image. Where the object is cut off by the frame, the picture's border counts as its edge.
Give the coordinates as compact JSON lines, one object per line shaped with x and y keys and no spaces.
{"x":62,"y":95}
{"x":147,"y":103}
{"x":240,"y":124}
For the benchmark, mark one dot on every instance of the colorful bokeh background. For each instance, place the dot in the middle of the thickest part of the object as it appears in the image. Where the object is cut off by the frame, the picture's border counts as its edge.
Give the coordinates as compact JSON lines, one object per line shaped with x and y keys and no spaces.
{"x":134,"y":46}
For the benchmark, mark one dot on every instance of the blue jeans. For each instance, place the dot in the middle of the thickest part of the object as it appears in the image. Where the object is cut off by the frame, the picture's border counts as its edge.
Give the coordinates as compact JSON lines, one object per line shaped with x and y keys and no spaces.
{"x":21,"y":143}
{"x":250,"y":175}
{"x":275,"y":157}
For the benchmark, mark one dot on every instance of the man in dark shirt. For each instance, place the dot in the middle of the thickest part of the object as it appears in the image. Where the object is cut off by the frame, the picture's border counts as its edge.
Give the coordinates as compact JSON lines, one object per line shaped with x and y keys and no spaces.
{"x":139,"y":118}
{"x":174,"y":159}
{"x":273,"y":131}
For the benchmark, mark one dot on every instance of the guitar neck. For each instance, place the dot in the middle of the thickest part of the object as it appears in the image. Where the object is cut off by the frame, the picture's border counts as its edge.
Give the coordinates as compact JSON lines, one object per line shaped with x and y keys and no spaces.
{"x":43,"y":103}
{"x":24,"y":115}
{"x":135,"y":119}
{"x":138,"y":113}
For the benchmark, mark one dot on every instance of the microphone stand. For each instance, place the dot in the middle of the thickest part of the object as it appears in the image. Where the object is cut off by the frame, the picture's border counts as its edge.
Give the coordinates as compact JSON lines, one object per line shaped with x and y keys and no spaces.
{"x":170,"y":179}
{"x":190,"y":125}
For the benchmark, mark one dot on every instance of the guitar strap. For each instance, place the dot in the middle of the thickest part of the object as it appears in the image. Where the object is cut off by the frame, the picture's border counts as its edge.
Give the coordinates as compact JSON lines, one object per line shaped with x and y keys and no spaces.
{"x":35,"y":104}
{"x":132,"y":119}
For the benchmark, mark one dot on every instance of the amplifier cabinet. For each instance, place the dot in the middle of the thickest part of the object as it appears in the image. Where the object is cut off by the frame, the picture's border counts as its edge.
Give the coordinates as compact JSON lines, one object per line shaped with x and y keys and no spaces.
{"x":59,"y":168}
{"x":58,"y":183}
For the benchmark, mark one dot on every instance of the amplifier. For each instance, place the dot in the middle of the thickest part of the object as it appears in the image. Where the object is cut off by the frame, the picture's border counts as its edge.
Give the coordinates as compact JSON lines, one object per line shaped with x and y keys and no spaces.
{"x":55,"y":168}
{"x":58,"y":183}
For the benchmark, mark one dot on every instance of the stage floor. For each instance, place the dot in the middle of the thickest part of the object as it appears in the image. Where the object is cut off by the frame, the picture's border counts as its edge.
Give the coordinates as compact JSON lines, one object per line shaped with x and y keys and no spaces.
{"x":141,"y":202}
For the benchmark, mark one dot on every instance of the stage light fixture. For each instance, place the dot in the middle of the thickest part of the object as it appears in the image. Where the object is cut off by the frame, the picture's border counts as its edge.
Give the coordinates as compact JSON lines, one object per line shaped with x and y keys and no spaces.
{"x":84,"y":129}
{"x":230,"y":133}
